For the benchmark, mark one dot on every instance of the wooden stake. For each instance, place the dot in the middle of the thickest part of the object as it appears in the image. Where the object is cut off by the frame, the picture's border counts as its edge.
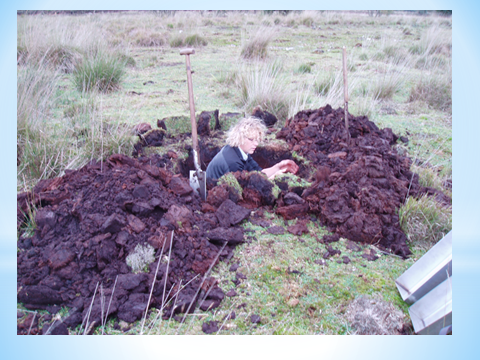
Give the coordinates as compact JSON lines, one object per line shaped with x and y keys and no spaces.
{"x":345,"y":92}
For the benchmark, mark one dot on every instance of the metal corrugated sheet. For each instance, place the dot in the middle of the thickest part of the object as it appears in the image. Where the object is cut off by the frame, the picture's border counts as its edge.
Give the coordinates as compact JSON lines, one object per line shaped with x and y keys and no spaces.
{"x":433,"y":312}
{"x":429,"y":271}
{"x":427,"y":286}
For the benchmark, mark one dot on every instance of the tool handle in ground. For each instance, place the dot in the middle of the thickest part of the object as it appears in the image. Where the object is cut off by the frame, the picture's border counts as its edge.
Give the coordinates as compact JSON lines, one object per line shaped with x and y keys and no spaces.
{"x":345,"y":92}
{"x":196,"y":153}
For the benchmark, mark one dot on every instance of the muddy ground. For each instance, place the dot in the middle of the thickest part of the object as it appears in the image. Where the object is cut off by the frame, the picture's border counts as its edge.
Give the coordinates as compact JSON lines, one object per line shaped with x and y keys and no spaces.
{"x":90,"y":220}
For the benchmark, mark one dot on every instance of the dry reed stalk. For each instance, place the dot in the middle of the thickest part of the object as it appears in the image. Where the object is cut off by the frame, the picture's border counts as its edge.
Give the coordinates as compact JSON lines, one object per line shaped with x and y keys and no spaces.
{"x":201,"y":283}
{"x":86,"y":320}
{"x":153,"y":282}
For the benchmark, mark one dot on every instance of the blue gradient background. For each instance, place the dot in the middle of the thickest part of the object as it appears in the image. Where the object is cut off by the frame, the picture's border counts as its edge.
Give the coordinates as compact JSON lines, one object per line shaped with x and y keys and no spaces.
{"x":465,"y":202}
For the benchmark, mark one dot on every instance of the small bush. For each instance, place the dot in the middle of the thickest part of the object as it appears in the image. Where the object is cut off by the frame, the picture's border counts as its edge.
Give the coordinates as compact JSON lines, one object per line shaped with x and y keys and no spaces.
{"x":100,"y":72}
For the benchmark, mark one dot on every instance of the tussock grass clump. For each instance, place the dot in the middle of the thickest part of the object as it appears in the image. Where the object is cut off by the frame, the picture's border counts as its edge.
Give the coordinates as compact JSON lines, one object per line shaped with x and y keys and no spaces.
{"x":431,"y":62}
{"x":176,"y":40}
{"x":60,"y":57}
{"x":256,"y":47}
{"x":304,"y":69}
{"x":36,"y":96}
{"x":390,"y":80}
{"x":435,"y":91}
{"x":394,"y":52}
{"x":149,"y":38}
{"x":330,"y":88}
{"x":363,"y":56}
{"x":44,"y":148}
{"x":428,"y":177}
{"x":102,"y":72}
{"x":363,"y":106}
{"x":325,"y":83}
{"x":180,"y":40}
{"x":195,"y":40}
{"x":434,"y":40}
{"x":264,"y":85}
{"x":425,"y":221}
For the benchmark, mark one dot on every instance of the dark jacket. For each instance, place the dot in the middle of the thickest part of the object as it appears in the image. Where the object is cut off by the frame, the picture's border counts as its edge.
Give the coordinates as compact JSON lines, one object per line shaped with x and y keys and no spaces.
{"x":230,"y":159}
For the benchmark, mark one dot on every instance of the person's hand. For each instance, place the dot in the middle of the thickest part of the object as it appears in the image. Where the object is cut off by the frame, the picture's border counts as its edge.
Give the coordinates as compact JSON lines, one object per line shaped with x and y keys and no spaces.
{"x":283,"y":167}
{"x":288,"y":166}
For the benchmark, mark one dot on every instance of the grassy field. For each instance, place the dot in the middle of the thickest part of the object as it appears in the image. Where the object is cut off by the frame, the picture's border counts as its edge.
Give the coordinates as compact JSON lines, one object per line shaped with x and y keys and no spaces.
{"x":85,"y":80}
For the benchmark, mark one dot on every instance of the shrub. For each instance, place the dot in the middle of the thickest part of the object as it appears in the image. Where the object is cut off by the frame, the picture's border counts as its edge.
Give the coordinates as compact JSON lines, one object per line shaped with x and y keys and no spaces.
{"x":256,"y":47}
{"x":100,"y":72}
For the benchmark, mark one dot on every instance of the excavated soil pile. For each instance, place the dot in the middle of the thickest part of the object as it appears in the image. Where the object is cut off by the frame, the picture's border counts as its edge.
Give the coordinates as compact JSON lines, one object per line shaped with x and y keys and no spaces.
{"x":89,"y":221}
{"x":92,"y":222}
{"x":358,"y":186}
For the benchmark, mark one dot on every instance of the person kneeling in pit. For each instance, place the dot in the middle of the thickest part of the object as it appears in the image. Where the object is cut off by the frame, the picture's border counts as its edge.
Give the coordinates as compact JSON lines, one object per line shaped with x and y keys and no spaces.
{"x":242,"y":140}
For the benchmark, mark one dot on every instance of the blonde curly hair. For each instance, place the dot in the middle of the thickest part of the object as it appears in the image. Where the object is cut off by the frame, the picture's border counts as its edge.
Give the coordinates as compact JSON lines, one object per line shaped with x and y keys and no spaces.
{"x":249,"y":127}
